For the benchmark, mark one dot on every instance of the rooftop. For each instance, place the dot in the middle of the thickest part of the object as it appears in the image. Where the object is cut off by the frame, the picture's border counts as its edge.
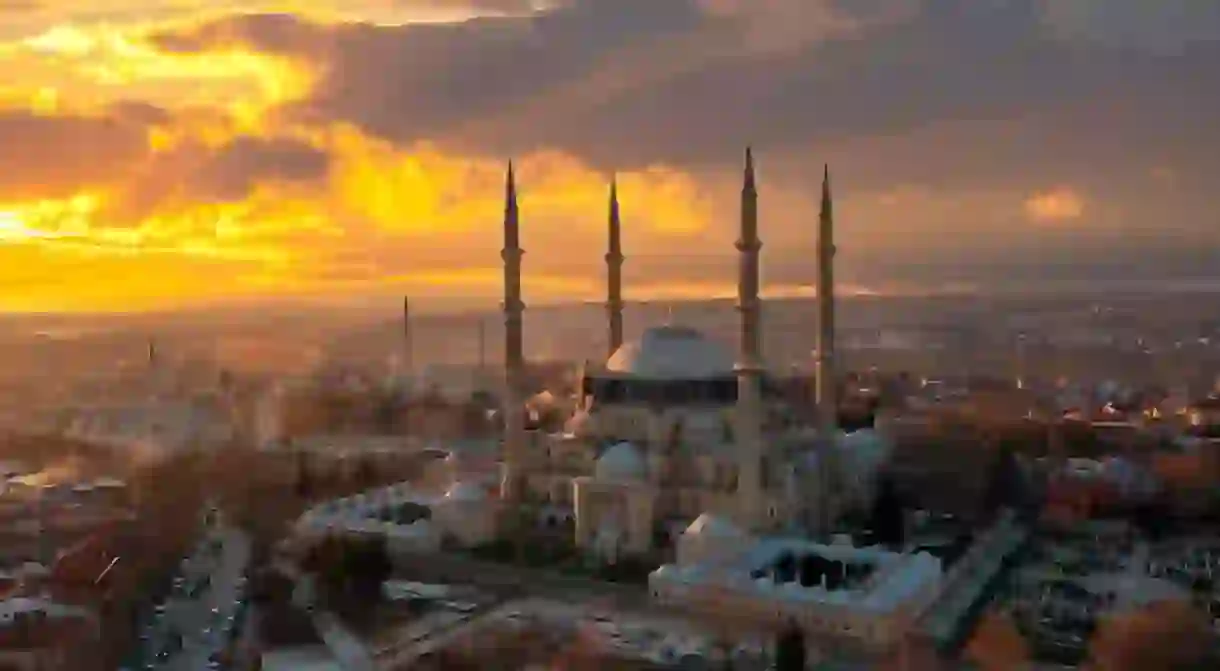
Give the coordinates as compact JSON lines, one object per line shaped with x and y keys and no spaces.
{"x":869,"y":578}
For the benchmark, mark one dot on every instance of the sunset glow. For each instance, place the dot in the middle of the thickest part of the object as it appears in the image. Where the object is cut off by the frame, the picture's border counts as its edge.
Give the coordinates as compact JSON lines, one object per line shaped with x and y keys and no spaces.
{"x":338,"y":232}
{"x":160,"y":153}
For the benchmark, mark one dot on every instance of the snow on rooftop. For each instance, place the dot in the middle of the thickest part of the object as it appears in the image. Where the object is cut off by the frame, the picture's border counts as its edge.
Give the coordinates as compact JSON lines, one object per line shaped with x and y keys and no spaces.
{"x":899,"y":578}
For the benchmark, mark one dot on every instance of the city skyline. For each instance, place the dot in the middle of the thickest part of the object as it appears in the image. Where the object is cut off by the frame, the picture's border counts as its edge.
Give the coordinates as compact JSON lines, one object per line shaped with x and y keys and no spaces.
{"x":157,"y":155}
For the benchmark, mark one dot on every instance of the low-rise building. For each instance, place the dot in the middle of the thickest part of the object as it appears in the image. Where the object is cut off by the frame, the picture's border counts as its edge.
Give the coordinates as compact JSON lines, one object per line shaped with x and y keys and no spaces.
{"x":40,"y":635}
{"x":868,"y":594}
{"x":410,"y":520}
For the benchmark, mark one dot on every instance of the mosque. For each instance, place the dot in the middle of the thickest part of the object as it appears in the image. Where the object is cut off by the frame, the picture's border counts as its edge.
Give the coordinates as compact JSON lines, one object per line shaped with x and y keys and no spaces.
{"x":677,"y":448}
{"x":674,"y":428}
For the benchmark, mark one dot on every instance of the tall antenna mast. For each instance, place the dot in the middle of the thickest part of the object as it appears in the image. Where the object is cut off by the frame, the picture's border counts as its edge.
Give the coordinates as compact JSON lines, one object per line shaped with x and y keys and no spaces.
{"x":408,"y":346}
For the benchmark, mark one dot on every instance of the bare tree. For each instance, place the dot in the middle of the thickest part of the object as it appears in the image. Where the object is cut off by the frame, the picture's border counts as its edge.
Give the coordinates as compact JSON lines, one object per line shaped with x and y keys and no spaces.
{"x":997,"y":645}
{"x":1166,"y":635}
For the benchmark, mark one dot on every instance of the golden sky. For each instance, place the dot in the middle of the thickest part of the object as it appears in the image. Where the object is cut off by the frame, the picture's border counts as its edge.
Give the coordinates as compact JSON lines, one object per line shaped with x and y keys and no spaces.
{"x":163,"y":153}
{"x":129,"y":223}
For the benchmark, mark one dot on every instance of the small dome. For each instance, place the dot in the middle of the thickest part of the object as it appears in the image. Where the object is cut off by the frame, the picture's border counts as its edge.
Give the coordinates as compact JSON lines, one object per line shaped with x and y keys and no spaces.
{"x":712,"y":526}
{"x":621,"y":462}
{"x":465,"y":492}
{"x":672,"y":353}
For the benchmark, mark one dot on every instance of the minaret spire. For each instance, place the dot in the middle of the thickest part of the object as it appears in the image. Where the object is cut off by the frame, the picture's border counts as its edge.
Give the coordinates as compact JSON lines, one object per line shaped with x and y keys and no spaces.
{"x":826,"y":384}
{"x":749,"y":366}
{"x":749,"y":174}
{"x":481,"y":326}
{"x":614,"y":273}
{"x":748,"y":247}
{"x":514,"y":357}
{"x":408,"y":344}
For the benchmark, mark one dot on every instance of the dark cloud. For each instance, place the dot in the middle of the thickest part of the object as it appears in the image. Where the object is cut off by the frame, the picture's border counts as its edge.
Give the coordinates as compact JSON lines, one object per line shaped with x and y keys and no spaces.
{"x":231,"y":172}
{"x":55,"y":156}
{"x":1165,"y":26}
{"x":629,"y":82}
{"x":194,"y":172}
{"x":51,"y":156}
{"x":955,"y":96}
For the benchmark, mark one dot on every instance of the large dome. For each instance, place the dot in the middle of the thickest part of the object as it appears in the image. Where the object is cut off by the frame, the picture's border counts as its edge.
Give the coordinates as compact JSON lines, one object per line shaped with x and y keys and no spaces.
{"x":672,"y":353}
{"x":621,"y":461}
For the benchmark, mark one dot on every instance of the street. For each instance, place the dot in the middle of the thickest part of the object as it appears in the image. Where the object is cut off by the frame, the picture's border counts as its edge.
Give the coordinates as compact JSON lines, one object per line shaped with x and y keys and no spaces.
{"x":199,"y":619}
{"x":517,"y":581}
{"x":195,"y":616}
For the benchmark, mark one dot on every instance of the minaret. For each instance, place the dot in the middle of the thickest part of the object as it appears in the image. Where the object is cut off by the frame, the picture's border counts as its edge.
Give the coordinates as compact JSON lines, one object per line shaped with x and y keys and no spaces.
{"x":749,"y":364}
{"x":408,"y":345}
{"x":827,"y":400}
{"x":481,"y":325}
{"x":156,"y":375}
{"x":614,"y":274}
{"x":514,"y":358}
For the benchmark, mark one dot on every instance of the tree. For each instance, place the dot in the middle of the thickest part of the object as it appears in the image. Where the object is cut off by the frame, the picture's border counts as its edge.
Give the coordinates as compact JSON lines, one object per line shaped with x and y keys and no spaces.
{"x":997,"y":645}
{"x":1154,"y":516}
{"x":377,"y":564}
{"x":1169,"y":635}
{"x":790,"y":649}
{"x":363,"y":565}
{"x":785,"y":568}
{"x":886,"y":517}
{"x":326,"y":560}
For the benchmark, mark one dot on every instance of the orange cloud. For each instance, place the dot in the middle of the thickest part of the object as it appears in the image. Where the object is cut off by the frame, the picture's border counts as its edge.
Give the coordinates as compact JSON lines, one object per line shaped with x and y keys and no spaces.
{"x":1057,"y":205}
{"x":214,"y":196}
